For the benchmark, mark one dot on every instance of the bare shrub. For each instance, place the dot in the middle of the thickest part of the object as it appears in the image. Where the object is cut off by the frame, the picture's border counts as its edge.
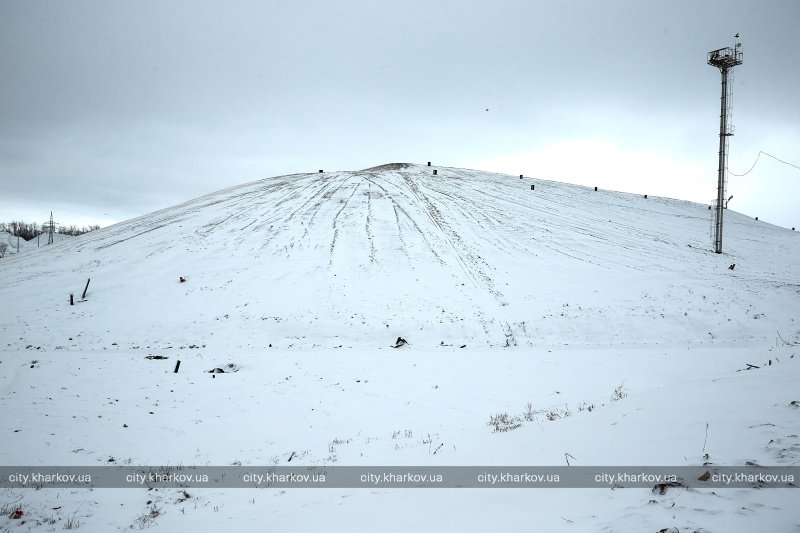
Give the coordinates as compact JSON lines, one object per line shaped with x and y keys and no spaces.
{"x":504,"y":422}
{"x":529,"y":414}
{"x":619,"y":393}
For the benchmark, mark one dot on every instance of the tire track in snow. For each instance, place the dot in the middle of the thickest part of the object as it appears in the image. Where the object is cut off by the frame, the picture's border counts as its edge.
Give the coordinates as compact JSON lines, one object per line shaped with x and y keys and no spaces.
{"x":399,"y":210}
{"x":468,"y":263}
{"x":320,"y":194}
{"x":370,"y":237}
{"x":326,"y":195}
{"x":479,"y":217}
{"x":307,"y":191}
{"x":546,"y":225}
{"x":315,"y":190}
{"x":335,"y":222}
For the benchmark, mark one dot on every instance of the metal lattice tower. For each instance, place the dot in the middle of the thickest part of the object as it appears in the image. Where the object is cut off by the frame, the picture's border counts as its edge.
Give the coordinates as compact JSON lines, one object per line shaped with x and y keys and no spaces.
{"x":50,"y":229}
{"x":724,"y":59}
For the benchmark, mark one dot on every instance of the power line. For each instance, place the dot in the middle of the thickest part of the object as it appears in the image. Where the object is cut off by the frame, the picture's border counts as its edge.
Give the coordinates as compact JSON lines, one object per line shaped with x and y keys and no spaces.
{"x":751,"y":168}
{"x":768,"y":155}
{"x":781,"y":160}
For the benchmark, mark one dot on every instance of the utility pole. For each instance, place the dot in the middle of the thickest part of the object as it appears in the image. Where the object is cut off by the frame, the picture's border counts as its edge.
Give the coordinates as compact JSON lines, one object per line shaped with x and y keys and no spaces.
{"x":724,"y":59}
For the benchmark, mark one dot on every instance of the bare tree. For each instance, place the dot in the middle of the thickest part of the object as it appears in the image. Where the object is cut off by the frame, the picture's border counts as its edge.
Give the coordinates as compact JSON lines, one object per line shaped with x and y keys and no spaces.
{"x":28,"y":231}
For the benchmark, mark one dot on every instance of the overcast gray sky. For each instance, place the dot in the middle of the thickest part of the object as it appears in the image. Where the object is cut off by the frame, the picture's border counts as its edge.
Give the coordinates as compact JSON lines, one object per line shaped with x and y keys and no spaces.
{"x":109,"y":110}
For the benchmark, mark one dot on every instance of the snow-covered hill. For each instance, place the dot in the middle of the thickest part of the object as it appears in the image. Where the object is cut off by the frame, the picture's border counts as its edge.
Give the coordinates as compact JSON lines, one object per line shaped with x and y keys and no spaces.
{"x":360,"y":258}
{"x":544,"y":326}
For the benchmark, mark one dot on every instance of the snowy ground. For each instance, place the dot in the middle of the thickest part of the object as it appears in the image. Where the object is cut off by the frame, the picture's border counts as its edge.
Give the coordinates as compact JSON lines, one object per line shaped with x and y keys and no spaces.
{"x":560,"y":296}
{"x":35,"y":244}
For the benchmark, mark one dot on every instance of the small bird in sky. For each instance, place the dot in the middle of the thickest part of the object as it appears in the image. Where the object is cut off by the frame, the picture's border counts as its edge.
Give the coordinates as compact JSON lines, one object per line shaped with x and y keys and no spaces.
{"x":487,"y":109}
{"x":737,"y":35}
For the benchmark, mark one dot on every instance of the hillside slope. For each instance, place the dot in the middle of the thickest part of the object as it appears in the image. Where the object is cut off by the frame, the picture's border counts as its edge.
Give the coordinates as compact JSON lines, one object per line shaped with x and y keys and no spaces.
{"x":360,"y":258}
